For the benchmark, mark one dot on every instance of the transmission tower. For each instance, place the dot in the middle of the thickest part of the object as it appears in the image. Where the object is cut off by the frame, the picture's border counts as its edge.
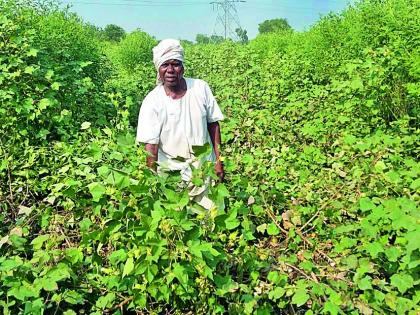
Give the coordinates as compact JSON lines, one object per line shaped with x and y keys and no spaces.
{"x":227,"y":17}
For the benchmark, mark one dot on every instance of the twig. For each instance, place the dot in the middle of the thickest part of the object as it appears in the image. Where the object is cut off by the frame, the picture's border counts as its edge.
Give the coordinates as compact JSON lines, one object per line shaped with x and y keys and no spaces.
{"x":310,"y":220}
{"x":298,"y":232}
{"x":302,"y":272}
{"x":120,"y":306}
{"x":320,"y":252}
{"x":65,"y":237}
{"x":272,"y":216}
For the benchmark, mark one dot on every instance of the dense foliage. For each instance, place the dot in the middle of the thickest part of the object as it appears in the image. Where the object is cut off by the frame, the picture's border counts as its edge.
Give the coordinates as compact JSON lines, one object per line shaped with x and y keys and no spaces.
{"x":321,"y":211}
{"x":274,"y":25}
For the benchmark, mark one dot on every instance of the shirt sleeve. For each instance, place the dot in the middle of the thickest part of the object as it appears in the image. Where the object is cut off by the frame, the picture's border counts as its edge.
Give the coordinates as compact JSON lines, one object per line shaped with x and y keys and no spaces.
{"x":149,"y":125}
{"x":212,"y":108}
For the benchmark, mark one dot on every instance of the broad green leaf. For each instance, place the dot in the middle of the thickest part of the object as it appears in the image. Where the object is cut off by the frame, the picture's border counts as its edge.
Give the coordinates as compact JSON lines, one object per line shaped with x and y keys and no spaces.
{"x":276,"y":293}
{"x":22,"y":292}
{"x":374,"y":249}
{"x":97,"y":190}
{"x":117,"y":256}
{"x":231,"y":221}
{"x":300,"y":297}
{"x":105,"y":301}
{"x":32,"y":52}
{"x":392,"y":253}
{"x":48,"y":284}
{"x":331,"y":308}
{"x":74,"y":255}
{"x":56,"y":86}
{"x":128,"y":267}
{"x":365,"y":283}
{"x":413,"y":242}
{"x":44,"y":103}
{"x":402,"y":282}
{"x":272,"y":229}
{"x":39,"y":240}
{"x":181,"y":274}
{"x":415,"y":185}
{"x":10,"y":264}
{"x":85,"y":125}
{"x":59,"y":272}
{"x":366,"y":204}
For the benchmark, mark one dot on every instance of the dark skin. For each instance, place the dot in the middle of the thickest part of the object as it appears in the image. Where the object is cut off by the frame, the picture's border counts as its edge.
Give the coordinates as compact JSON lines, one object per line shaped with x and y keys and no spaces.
{"x":171,"y":73}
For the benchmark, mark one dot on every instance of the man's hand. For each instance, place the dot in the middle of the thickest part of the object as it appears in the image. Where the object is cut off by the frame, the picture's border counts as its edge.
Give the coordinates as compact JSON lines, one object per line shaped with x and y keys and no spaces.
{"x":220,"y":172}
{"x":152,"y":157}
{"x":214,"y":131}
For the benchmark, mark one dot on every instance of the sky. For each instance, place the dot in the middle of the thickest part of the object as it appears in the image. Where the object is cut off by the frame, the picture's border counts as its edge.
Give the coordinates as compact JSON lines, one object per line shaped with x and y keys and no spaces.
{"x":184,"y":19}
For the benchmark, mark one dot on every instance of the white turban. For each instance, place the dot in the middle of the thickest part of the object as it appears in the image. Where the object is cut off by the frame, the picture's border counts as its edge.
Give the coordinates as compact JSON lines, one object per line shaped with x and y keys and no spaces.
{"x":166,"y":50}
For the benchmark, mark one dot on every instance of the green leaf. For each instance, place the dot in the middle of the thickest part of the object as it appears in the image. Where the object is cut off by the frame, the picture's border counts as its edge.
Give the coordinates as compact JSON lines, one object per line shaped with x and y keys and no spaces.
{"x":39,"y":240}
{"x":44,"y":103}
{"x":117,"y":256}
{"x":10,"y":264}
{"x":374,"y":249}
{"x":85,"y":125}
{"x":402,"y":282}
{"x":331,"y":308}
{"x":392,"y":253}
{"x":85,"y":224}
{"x":59,"y":272}
{"x":74,"y":255}
{"x":97,"y":190}
{"x":32,"y":52}
{"x":415,"y":185}
{"x":272,"y":229}
{"x":274,"y":277}
{"x":73,"y":297}
{"x":56,"y":86}
{"x":365,"y":283}
{"x":105,"y":301}
{"x":128,"y":267}
{"x":22,"y":292}
{"x":181,"y":274}
{"x":300,"y":297}
{"x":277,"y":293}
{"x":48,"y":284}
{"x":366,"y":204}
{"x":413,"y":238}
{"x":231,"y":221}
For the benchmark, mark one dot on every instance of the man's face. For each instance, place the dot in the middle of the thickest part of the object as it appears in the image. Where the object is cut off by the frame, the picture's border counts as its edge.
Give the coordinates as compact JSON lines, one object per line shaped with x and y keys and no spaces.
{"x":170,"y":72}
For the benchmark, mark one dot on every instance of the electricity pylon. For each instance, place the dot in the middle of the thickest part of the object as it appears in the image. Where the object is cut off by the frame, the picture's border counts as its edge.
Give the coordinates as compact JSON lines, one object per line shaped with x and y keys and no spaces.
{"x":227,"y":16}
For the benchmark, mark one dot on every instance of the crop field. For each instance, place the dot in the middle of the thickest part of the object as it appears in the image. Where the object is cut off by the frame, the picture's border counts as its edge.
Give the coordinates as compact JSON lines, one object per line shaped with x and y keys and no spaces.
{"x":319,"y":212}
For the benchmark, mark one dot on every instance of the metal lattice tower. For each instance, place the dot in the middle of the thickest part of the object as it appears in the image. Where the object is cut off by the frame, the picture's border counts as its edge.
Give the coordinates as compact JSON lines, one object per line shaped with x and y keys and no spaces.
{"x":227,"y":17}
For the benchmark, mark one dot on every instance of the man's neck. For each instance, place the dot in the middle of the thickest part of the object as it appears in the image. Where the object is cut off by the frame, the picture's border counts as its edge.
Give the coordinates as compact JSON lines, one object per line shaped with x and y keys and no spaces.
{"x":176,"y":91}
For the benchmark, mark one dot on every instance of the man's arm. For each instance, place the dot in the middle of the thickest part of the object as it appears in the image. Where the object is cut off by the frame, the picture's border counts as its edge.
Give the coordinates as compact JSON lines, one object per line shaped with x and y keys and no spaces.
{"x":214,"y":131}
{"x":153,"y":154}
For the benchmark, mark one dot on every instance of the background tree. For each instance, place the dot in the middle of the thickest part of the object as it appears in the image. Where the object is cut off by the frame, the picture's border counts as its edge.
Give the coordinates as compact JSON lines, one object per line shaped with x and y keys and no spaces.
{"x":202,"y":39}
{"x":274,"y":25}
{"x":113,"y":32}
{"x":186,"y":42}
{"x":205,"y":39}
{"x":242,"y":34}
{"x":216,"y":39}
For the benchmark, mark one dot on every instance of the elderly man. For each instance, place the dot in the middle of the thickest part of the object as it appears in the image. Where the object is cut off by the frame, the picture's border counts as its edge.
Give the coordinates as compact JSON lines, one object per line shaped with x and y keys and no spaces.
{"x":177,"y":115}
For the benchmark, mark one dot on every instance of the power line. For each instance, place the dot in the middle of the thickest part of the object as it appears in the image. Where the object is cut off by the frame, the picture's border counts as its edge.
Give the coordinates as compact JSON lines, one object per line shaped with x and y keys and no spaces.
{"x":137,"y":4}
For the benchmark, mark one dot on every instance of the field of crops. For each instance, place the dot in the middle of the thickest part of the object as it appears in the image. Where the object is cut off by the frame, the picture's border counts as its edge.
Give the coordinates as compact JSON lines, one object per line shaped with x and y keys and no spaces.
{"x":319,"y":213}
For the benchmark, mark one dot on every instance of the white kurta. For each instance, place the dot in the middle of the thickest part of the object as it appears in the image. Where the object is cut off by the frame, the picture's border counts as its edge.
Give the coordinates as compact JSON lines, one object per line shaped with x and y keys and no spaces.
{"x":178,"y":125}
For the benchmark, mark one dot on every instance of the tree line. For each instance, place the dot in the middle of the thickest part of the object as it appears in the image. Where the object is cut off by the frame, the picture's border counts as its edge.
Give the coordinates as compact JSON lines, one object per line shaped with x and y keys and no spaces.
{"x":113,"y":32}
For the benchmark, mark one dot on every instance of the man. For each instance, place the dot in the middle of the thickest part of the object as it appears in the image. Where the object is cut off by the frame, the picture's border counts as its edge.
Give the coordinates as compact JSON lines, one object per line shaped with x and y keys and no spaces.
{"x":178,"y":115}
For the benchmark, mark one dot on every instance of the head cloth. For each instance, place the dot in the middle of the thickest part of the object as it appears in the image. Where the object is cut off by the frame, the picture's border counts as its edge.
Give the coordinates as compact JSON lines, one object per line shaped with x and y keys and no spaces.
{"x":166,"y":50}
